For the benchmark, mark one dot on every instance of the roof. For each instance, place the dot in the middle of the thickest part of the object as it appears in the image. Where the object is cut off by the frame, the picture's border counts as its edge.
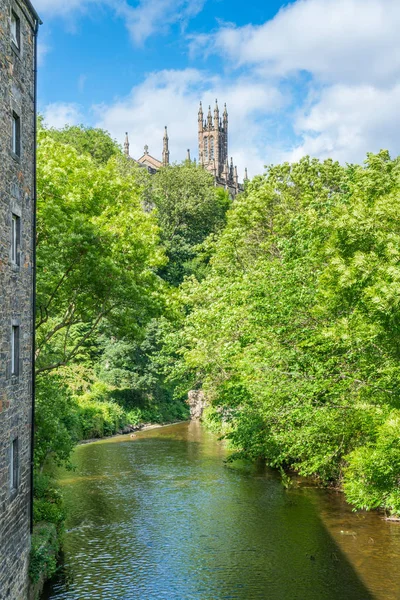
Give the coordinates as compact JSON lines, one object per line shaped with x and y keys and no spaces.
{"x":149,"y":160}
{"x":32,"y":10}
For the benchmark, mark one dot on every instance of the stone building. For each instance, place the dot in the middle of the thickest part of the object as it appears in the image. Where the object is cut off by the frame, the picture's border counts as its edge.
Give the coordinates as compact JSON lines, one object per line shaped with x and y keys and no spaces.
{"x":213,"y":151}
{"x":18,"y":33}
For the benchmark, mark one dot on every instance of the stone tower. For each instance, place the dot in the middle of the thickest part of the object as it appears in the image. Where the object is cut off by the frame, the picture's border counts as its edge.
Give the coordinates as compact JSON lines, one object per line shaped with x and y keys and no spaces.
{"x":126,"y":145}
{"x":165,"y":154}
{"x":213,"y":140}
{"x":18,"y":33}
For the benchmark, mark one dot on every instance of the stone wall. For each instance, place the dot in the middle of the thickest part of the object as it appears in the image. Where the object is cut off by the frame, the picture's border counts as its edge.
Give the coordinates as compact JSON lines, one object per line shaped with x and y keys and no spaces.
{"x":16,"y":278}
{"x":197,"y":403}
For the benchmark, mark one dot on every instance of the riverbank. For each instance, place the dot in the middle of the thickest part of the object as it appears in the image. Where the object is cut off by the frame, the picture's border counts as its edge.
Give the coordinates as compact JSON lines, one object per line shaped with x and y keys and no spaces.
{"x":133,"y":429}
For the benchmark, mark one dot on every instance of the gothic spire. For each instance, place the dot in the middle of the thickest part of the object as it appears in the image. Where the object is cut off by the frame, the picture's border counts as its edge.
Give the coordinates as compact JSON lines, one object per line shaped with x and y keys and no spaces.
{"x":246,"y":177}
{"x":201,"y":118}
{"x":209,"y":118}
{"x":216,"y":115}
{"x":225,"y":115}
{"x":126,"y":145}
{"x":188,"y":155}
{"x":165,"y":154}
{"x":231,"y":169}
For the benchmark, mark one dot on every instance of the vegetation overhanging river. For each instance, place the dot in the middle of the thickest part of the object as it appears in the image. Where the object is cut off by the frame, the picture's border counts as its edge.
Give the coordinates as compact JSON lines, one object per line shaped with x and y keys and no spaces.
{"x":161,"y":516}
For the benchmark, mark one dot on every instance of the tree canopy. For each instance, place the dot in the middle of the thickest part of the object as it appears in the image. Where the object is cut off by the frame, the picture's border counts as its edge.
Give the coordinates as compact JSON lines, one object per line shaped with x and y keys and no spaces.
{"x":293,"y":333}
{"x":283,"y":306}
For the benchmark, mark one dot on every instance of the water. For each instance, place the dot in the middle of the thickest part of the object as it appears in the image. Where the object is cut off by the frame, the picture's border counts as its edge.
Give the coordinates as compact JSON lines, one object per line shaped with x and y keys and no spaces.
{"x":161,"y":517}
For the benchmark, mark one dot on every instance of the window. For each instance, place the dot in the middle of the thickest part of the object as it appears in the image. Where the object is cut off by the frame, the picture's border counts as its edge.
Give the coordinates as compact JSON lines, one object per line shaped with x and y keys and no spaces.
{"x":16,"y":30}
{"x":16,"y":134}
{"x":205,"y":148}
{"x":15,"y":239}
{"x":14,"y":464}
{"x":15,"y":350}
{"x":212,"y":148}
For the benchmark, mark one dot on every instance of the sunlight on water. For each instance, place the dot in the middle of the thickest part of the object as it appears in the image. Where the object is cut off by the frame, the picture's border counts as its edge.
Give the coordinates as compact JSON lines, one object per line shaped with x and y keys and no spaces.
{"x":162,"y":517}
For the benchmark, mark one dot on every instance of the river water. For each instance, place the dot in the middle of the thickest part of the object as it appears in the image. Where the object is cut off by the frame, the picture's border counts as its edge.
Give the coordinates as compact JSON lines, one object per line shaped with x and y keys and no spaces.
{"x":161,"y":516}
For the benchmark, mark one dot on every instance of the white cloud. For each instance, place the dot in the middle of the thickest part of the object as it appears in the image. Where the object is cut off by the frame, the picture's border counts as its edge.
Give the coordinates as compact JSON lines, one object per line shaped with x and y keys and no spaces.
{"x":142,"y":21}
{"x":347,"y":122}
{"x":60,"y":114}
{"x":156,"y":16}
{"x":351,"y":52}
{"x":335,"y":40}
{"x":172,"y":98}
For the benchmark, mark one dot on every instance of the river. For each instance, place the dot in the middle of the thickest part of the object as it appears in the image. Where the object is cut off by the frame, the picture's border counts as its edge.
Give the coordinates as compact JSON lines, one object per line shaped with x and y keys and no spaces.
{"x":161,"y":516}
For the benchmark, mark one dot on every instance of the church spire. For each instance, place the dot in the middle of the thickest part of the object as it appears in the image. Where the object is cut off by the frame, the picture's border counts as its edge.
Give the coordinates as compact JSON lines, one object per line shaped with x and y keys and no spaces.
{"x":246,"y":177}
{"x":225,"y":115}
{"x":126,"y":145}
{"x":209,"y":118}
{"x":165,"y":154}
{"x":201,"y":118}
{"x":188,"y":155}
{"x":216,"y":115}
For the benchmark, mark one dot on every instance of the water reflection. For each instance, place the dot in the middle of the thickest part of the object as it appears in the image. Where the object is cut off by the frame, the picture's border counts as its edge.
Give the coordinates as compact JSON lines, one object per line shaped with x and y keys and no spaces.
{"x":160,"y":516}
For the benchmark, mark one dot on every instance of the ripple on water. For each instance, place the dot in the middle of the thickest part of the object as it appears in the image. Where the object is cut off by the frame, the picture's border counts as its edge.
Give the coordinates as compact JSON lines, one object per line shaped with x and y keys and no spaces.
{"x":161,"y":517}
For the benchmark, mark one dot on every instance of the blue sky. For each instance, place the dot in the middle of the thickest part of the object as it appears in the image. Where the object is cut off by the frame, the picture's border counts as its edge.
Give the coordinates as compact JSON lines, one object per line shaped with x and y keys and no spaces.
{"x":318,"y":77}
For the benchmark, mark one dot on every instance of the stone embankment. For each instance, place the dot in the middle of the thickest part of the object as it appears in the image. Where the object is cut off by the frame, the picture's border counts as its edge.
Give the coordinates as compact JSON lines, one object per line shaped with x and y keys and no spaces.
{"x":197,"y":403}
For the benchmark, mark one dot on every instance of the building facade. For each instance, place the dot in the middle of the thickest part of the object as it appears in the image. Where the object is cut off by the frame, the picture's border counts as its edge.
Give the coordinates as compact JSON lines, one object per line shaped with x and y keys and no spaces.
{"x":18,"y":31}
{"x":213,"y":151}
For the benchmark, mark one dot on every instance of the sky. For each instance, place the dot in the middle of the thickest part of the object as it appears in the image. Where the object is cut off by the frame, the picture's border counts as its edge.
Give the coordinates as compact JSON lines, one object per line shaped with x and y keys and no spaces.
{"x":317,"y":77}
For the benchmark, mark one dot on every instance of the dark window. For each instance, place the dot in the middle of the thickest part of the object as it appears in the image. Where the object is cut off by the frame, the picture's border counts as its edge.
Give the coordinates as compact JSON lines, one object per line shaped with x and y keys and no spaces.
{"x":15,"y":350}
{"x":14,"y":464}
{"x":15,"y":239}
{"x":16,"y":134}
{"x":16,"y":30}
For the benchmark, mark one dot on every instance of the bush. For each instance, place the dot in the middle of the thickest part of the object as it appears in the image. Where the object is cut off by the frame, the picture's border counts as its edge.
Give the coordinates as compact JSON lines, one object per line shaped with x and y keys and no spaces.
{"x":372,"y":476}
{"x":44,"y":550}
{"x":99,"y":418}
{"x":48,"y":503}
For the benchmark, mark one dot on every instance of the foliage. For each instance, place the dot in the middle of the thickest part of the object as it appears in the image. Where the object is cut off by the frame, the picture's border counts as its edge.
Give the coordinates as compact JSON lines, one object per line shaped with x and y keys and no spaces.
{"x":293,"y":333}
{"x":48,"y":503}
{"x":49,"y":517}
{"x":97,"y":253}
{"x":97,"y":143}
{"x":98,"y":294}
{"x":283,"y":307}
{"x":56,"y":421}
{"x":44,"y":551}
{"x":189,"y":209}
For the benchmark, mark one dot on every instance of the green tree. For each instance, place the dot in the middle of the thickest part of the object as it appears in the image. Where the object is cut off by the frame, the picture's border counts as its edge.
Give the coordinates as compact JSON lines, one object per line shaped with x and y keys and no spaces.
{"x":88,"y":140}
{"x":97,"y":250}
{"x":293,"y":334}
{"x":189,"y":208}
